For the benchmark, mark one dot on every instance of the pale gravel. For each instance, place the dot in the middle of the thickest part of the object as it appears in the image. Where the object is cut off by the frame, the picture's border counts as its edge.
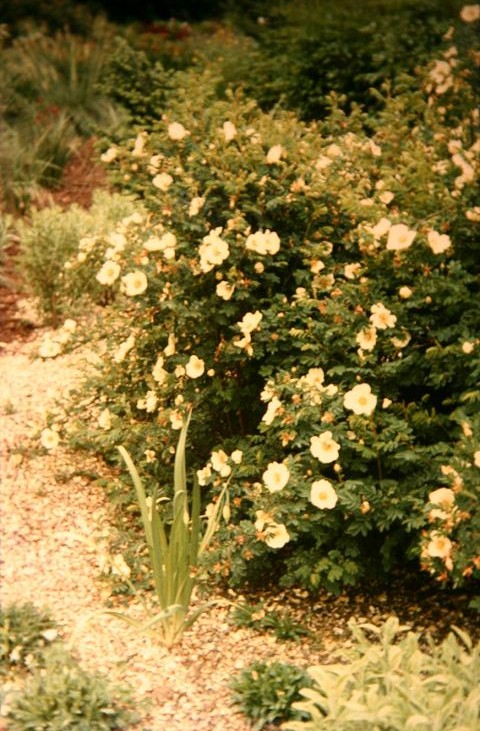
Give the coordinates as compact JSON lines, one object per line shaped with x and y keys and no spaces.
{"x":53,"y":529}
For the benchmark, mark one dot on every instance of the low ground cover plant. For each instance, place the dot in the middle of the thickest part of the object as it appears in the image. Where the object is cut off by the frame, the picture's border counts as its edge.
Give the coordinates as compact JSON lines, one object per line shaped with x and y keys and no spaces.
{"x":53,"y":245}
{"x":263,"y":618}
{"x":265,"y":692}
{"x":63,"y":695}
{"x":389,"y":679}
{"x":46,"y":689}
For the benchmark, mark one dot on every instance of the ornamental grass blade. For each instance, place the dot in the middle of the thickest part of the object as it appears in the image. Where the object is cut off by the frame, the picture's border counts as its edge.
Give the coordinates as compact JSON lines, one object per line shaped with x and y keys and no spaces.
{"x":159,"y":556}
{"x":141,"y":497}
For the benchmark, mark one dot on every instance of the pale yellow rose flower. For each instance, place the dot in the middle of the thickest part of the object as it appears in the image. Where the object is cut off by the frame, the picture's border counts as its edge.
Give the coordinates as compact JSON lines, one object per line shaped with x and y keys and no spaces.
{"x":263,"y":242}
{"x":225,"y":290}
{"x":405,"y":292}
{"x":236,"y":456}
{"x":250,"y":322}
{"x":109,"y":155}
{"x":195,"y":205}
{"x":314,"y":378}
{"x":134,"y":283}
{"x":213,"y":250}
{"x":381,"y":228}
{"x":229,"y":131}
{"x":176,"y":419}
{"x":219,"y":460}
{"x":444,"y":496}
{"x":381,"y":317}
{"x":162,"y":181}
{"x":366,"y":338}
{"x":276,"y":476}
{"x":438,"y":242}
{"x":386,"y":197}
{"x":351,"y":271}
{"x":195,"y":367}
{"x":159,"y":243}
{"x":400,"y":237}
{"x":324,"y":447}
{"x":276,"y":535}
{"x":204,"y":475}
{"x":274,"y":154}
{"x":470,"y":13}
{"x":360,"y":399}
{"x":273,"y":409}
{"x":109,"y":273}
{"x":323,"y":495}
{"x":177,"y":131}
{"x":158,"y":371}
{"x":439,"y":546}
{"x":140,"y":142}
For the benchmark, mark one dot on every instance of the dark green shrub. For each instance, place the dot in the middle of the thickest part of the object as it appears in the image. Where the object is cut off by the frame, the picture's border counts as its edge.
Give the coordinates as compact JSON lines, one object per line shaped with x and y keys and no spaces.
{"x":136,"y":82}
{"x":307,"y":50}
{"x":264,"y":692}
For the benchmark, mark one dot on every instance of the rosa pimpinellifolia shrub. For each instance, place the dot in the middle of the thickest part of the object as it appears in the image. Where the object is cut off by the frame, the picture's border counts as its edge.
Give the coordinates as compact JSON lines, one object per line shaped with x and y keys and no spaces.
{"x":313,"y":292}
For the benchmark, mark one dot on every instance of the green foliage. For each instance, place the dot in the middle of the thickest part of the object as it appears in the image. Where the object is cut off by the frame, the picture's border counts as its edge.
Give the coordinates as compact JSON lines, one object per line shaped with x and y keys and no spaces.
{"x":174,"y":551}
{"x":307,"y":50}
{"x":25,"y":632}
{"x":62,"y":695}
{"x":22,"y":15}
{"x":395,"y":683}
{"x":47,"y":242}
{"x":261,"y":618}
{"x":264,"y":691}
{"x":135,"y":81}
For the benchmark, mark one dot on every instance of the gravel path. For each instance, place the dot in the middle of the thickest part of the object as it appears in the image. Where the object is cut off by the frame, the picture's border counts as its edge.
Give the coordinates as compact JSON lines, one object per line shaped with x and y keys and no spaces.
{"x":52,"y":541}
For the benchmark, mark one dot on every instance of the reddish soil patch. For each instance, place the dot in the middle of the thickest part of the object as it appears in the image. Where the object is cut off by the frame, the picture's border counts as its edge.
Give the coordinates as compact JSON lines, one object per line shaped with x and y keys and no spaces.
{"x":81,"y":176}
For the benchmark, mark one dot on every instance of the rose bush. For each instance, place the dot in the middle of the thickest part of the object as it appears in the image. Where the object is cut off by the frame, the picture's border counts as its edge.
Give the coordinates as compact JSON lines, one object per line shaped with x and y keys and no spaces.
{"x":312,"y":291}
